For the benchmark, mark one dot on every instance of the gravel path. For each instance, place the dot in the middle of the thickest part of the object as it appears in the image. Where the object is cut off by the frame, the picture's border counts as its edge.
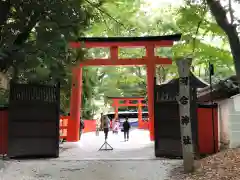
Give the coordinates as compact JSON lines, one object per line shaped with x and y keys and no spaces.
{"x":90,"y":170}
{"x":133,"y":160}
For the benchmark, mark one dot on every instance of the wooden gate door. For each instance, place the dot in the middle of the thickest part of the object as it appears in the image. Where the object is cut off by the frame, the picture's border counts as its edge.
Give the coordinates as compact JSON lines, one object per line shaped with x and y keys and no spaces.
{"x":167,"y":121}
{"x":33,"y":120}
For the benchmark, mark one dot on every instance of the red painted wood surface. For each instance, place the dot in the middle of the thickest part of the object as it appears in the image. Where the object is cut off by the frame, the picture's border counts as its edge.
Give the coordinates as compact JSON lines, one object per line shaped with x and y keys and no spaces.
{"x":205,"y":130}
{"x":127,"y":98}
{"x":143,"y":125}
{"x":63,"y":123}
{"x":150,"y":53}
{"x":76,"y":100}
{"x":164,"y":43}
{"x":3,"y":131}
{"x":125,"y":62}
{"x":129,"y":105}
{"x":90,"y":126}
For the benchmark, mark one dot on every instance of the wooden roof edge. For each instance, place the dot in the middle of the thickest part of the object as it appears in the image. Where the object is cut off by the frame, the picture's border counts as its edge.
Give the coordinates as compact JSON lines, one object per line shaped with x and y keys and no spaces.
{"x":218,"y":85}
{"x":191,"y":74}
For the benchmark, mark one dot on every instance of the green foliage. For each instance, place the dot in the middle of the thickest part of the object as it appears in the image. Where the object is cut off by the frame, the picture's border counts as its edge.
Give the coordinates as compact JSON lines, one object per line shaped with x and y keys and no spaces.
{"x":3,"y":97}
{"x":34,"y":39}
{"x":34,"y":44}
{"x":204,"y":40}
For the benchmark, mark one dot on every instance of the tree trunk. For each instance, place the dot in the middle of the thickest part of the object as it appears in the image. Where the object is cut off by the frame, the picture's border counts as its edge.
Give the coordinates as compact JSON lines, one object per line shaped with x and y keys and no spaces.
{"x":220,"y":16}
{"x":5,"y":7}
{"x":7,"y":62}
{"x":15,"y":73}
{"x":160,"y":74}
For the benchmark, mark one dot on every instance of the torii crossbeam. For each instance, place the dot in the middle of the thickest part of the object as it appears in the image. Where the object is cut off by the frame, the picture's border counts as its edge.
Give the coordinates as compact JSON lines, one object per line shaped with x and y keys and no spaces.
{"x":149,"y":60}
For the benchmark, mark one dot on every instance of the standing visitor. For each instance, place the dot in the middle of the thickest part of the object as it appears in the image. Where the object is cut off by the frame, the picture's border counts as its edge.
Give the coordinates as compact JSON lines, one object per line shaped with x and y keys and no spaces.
{"x":101,"y":121}
{"x":82,"y":126}
{"x":116,"y":126}
{"x":106,"y":126}
{"x":126,"y":128}
{"x":98,"y":125}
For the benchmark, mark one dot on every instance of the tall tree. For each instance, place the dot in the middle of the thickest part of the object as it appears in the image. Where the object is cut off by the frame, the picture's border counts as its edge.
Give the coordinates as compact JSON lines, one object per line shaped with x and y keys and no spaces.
{"x":227,"y":19}
{"x":205,"y":40}
{"x":229,"y":26}
{"x":34,"y":38}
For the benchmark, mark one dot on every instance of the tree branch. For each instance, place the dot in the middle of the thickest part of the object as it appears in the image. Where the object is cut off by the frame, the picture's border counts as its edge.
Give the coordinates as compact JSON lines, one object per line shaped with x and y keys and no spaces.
{"x":220,"y":16}
{"x":230,"y":11}
{"x":4,"y":11}
{"x":106,"y":13}
{"x":20,"y":39}
{"x":219,"y":13}
{"x":198,"y":27}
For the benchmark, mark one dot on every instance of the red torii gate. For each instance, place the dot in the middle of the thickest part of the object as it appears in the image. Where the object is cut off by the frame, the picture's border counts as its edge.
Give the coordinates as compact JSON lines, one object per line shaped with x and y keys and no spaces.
{"x":150,"y":60}
{"x":117,"y":103}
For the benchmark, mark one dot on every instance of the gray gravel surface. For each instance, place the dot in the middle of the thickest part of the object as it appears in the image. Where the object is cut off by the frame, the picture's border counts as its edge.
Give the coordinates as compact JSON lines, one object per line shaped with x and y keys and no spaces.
{"x":90,"y":170}
{"x":132,"y":160}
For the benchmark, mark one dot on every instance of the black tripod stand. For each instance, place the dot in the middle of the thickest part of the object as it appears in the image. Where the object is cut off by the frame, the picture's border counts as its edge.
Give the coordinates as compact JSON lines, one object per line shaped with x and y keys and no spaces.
{"x":107,"y":147}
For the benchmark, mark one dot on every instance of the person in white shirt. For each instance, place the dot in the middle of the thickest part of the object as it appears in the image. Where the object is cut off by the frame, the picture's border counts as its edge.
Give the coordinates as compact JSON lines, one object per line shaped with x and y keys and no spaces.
{"x":98,"y":125}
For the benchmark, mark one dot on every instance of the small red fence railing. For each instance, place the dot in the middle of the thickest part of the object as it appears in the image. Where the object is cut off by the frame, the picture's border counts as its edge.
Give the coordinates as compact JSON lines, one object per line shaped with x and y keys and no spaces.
{"x":90,"y":126}
{"x":63,"y":123}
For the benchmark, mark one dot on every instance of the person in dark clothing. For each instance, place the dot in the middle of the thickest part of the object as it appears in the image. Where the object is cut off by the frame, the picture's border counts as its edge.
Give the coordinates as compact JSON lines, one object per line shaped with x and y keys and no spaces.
{"x":126,"y":128}
{"x":106,"y":126}
{"x":82,"y":126}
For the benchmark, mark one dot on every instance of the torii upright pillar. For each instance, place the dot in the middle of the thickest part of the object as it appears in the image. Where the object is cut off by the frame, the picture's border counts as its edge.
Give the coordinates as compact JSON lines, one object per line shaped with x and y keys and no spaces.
{"x":73,"y":128}
{"x":150,"y":54}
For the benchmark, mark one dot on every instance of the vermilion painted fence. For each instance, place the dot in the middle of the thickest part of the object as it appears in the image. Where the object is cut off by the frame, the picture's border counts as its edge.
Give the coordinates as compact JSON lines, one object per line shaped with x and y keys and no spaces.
{"x":90,"y":126}
{"x":143,"y":125}
{"x":63,"y":123}
{"x":207,"y":134}
{"x":208,"y":130}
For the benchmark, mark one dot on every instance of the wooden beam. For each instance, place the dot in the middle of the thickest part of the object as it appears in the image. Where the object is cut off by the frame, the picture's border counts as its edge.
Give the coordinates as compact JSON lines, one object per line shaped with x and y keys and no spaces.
{"x":124,"y":62}
{"x":165,"y":43}
{"x":129,"y":104}
{"x":88,"y":42}
{"x":124,"y":98}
